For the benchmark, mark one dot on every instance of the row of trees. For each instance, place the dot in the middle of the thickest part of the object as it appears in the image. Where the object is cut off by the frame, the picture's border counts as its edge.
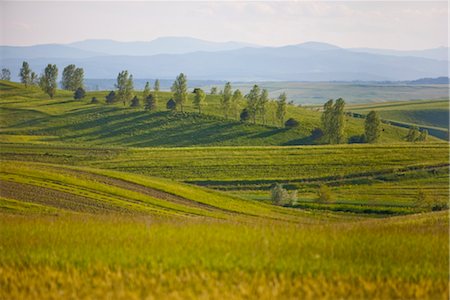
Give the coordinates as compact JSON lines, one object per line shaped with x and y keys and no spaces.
{"x":72,"y":78}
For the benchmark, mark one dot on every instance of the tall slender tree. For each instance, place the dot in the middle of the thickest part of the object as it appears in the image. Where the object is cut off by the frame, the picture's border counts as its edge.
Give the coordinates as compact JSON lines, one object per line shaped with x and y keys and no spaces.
{"x":236,"y":101}
{"x":263,"y":99}
{"x":281,"y":108}
{"x":25,"y":74}
{"x":199,"y":99}
{"x":326,"y":118}
{"x":179,"y":90}
{"x":47,"y":80}
{"x":156,"y":86}
{"x":252,"y":102}
{"x":372,"y":127}
{"x":338,"y":122}
{"x":225,"y":100}
{"x":6,"y":74}
{"x":72,"y":78}
{"x":124,"y":87}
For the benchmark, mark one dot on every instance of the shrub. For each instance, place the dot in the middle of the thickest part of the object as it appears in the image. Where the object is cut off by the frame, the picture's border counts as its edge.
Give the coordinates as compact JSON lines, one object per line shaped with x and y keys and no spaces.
{"x":245,"y":115}
{"x":171,"y":104}
{"x":111,"y":97}
{"x":94,"y":100}
{"x":281,"y":196}
{"x":79,"y":93}
{"x":135,"y":102}
{"x":291,"y":123}
{"x":357,"y":139}
{"x":316,"y":133}
{"x":324,"y":194}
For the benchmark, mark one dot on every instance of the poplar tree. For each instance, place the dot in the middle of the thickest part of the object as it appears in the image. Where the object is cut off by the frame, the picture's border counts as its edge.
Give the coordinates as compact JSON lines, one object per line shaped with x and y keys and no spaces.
{"x":338,"y":122}
{"x":281,"y":108}
{"x":372,"y":127}
{"x":47,"y":81}
{"x":179,"y":90}
{"x":263,"y":99}
{"x":6,"y":74}
{"x":225,"y":101}
{"x":25,"y":74}
{"x":236,"y":100}
{"x":252,"y":102}
{"x":156,"y":86}
{"x":326,"y":120}
{"x":72,"y":78}
{"x":199,"y":99}
{"x":124,"y":87}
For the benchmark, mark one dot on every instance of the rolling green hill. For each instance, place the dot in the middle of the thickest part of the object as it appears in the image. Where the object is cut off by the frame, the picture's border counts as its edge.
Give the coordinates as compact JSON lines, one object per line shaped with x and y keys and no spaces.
{"x":28,"y":112}
{"x":432,"y":115}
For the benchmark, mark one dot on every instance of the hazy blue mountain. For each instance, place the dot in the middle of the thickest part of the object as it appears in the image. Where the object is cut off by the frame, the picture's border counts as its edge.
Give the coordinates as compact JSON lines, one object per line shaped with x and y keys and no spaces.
{"x":43,"y":51}
{"x":303,"y":62}
{"x":163,"y":45}
{"x":441,"y":53}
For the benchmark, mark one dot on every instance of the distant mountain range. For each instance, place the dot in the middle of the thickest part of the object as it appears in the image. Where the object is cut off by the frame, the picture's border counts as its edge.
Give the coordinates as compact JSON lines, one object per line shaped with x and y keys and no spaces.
{"x":204,"y":60}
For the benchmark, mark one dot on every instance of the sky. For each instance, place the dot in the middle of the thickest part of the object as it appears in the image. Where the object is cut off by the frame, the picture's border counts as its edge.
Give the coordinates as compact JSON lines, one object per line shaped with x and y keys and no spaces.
{"x":403,"y":25}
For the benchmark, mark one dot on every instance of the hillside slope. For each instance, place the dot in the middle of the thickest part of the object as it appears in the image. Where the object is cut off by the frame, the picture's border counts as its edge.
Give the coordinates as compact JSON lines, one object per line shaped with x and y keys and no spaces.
{"x":28,"y":112}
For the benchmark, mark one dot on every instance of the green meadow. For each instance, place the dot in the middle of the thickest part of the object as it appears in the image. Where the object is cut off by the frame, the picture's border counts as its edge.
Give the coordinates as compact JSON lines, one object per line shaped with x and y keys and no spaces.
{"x":107,"y":201}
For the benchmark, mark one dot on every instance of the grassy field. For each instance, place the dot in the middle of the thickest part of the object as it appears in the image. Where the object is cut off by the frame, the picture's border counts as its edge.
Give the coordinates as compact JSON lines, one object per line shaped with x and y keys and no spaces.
{"x":89,"y":211}
{"x":134,"y":258}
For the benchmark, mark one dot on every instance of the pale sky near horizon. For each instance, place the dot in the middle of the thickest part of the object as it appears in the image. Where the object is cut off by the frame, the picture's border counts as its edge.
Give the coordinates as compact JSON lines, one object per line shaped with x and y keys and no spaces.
{"x":377,"y":24}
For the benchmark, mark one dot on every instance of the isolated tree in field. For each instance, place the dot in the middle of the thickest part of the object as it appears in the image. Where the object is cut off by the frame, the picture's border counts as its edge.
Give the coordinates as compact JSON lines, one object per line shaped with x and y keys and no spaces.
{"x":423,"y":135}
{"x":47,"y":81}
{"x":281,"y":108}
{"x":135,"y":102}
{"x":281,"y":196}
{"x":94,"y":100}
{"x":156,"y":86}
{"x":171,"y":105}
{"x":146,"y":91}
{"x":225,"y":100}
{"x":72,"y":78}
{"x":124,"y":87}
{"x":151,"y":101}
{"x":111,"y":97}
{"x":199,"y":99}
{"x":372,"y":127}
{"x":6,"y":74}
{"x":245,"y":115}
{"x":25,"y":74}
{"x":324,"y":194}
{"x":263,"y":99}
{"x":278,"y":194}
{"x":413,"y":134}
{"x":236,"y":100}
{"x":213,"y":90}
{"x":79,"y":93}
{"x":252,"y":102}
{"x":179,"y":90}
